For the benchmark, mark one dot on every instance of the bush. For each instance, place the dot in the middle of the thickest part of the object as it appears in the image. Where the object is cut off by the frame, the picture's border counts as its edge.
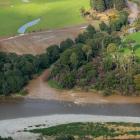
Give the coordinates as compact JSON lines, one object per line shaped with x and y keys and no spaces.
{"x":9,"y":138}
{"x":65,"y":138}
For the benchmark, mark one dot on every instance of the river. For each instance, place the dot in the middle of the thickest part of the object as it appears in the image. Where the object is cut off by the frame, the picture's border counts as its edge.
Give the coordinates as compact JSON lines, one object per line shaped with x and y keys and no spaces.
{"x":29,"y":108}
{"x":37,"y":107}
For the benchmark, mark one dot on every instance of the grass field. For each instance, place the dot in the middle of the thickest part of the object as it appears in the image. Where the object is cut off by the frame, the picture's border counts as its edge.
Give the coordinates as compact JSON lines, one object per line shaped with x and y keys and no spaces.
{"x":136,"y":37}
{"x":53,"y":14}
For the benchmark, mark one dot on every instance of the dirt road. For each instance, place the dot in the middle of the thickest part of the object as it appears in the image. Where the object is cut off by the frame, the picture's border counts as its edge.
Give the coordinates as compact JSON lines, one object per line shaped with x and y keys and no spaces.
{"x":36,"y":43}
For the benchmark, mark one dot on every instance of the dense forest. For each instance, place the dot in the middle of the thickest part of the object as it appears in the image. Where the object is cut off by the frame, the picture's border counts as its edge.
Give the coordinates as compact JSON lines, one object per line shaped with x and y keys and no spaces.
{"x":101,"y":5}
{"x":94,"y":60}
{"x":16,"y":71}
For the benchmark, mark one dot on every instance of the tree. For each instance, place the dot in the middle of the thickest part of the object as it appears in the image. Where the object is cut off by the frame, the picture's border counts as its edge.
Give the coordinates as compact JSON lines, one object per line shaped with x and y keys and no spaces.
{"x":74,"y":60}
{"x":109,"y":81}
{"x":88,"y":51}
{"x":81,"y":38}
{"x":111,"y":39}
{"x":137,"y":81}
{"x":68,"y":80}
{"x":99,"y":5}
{"x":90,"y":30}
{"x":119,"y":4}
{"x":68,"y":43}
{"x":107,"y":63}
{"x":44,"y":61}
{"x":118,"y":21}
{"x":14,"y":81}
{"x":65,"y":57}
{"x":112,"y":48}
{"x":53,"y":53}
{"x":88,"y":72}
{"x":104,"y":27}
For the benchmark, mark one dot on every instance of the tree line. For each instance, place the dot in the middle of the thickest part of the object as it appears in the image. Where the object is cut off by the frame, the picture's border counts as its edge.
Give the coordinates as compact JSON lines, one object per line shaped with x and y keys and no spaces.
{"x":16,"y":71}
{"x":102,"y":5}
{"x":95,"y":61}
{"x":92,"y":60}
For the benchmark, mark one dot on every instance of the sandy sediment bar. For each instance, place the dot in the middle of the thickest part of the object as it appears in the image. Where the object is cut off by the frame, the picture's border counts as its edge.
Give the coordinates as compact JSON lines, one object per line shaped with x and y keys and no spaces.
{"x":15,"y":127}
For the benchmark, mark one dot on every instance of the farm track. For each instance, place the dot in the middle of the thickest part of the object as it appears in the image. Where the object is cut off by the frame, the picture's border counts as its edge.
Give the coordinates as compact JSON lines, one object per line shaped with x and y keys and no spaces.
{"x":36,"y":43}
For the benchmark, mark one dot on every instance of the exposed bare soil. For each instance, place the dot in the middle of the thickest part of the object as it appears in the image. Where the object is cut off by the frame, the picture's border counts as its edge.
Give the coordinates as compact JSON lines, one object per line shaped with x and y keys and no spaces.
{"x":36,"y":43}
{"x":39,"y":89}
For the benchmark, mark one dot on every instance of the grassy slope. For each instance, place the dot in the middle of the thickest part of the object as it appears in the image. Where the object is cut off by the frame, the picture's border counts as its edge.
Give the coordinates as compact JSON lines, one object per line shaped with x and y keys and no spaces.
{"x":136,"y":37}
{"x":53,"y":14}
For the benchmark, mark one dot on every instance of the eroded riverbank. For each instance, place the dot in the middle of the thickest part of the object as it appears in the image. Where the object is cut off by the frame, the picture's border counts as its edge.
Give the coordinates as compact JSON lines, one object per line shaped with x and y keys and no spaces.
{"x":39,"y":89}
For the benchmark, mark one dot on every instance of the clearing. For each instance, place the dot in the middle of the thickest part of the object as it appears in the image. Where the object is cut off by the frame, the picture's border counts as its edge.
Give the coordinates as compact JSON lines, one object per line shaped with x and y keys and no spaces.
{"x":52,"y":13}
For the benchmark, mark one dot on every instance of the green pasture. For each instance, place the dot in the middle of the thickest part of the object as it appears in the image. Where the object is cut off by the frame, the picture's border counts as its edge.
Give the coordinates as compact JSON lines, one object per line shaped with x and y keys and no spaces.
{"x":136,"y":37}
{"x":53,"y":14}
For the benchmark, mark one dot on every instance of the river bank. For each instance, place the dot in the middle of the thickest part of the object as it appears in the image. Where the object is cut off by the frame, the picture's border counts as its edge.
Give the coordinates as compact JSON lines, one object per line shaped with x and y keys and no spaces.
{"x":39,"y":89}
{"x":16,"y":127}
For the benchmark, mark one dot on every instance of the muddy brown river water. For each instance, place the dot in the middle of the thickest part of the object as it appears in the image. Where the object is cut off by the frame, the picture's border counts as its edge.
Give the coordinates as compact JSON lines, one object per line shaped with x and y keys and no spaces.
{"x":60,"y":102}
{"x":31,"y":107}
{"x":44,"y":100}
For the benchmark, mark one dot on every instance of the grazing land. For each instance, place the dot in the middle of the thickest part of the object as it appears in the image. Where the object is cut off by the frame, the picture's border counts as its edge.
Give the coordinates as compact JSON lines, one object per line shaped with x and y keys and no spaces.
{"x":15,"y":13}
{"x":136,"y":38}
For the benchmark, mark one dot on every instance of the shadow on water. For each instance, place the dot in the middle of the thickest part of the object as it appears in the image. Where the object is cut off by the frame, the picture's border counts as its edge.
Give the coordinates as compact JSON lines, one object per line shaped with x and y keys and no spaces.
{"x":28,"y":108}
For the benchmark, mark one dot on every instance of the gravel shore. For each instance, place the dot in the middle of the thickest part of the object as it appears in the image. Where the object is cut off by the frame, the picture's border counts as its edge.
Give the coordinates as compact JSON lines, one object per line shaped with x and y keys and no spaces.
{"x":14,"y":127}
